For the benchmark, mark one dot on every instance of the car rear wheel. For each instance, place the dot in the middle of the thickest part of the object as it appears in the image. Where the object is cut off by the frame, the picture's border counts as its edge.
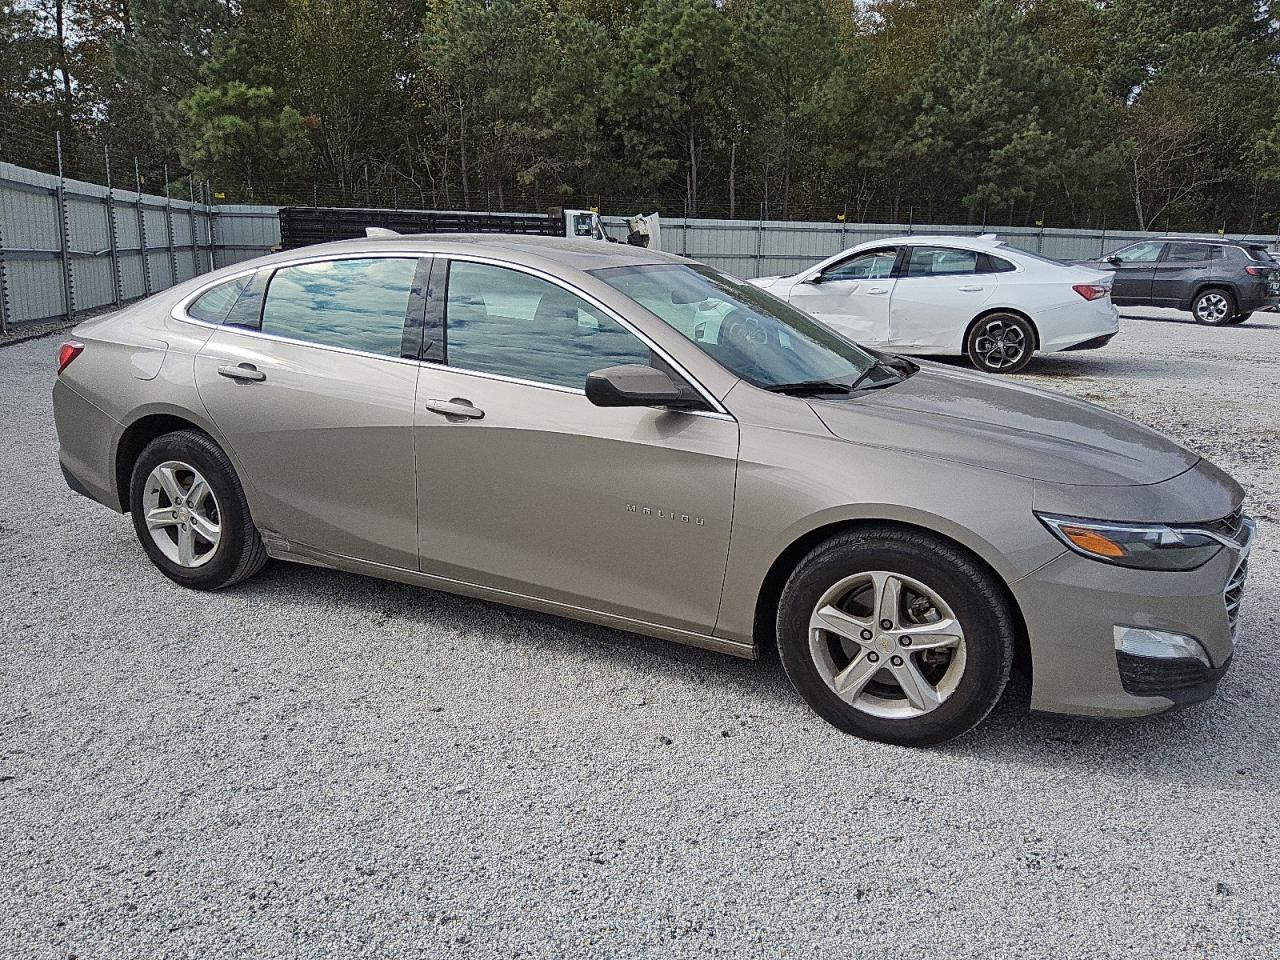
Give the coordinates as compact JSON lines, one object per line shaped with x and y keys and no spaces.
{"x":895,"y":635}
{"x":1001,"y":343}
{"x":190,"y":514}
{"x":1213,"y":307}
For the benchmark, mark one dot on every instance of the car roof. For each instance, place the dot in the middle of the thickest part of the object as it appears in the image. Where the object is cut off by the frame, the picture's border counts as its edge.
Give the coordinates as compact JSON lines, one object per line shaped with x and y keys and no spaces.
{"x":987,"y":241}
{"x":527,"y":249}
{"x":1219,"y":241}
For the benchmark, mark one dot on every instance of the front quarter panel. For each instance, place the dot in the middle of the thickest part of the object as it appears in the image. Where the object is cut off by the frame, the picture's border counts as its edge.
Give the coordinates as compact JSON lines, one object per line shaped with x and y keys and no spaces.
{"x":795,"y":478}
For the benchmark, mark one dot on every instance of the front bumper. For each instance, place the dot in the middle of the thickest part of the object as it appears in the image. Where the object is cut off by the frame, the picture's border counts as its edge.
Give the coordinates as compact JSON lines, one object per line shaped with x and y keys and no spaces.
{"x":1072,"y":606}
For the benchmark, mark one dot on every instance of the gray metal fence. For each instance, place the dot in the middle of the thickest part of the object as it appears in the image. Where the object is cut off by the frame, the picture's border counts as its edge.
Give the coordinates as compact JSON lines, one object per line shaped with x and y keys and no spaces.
{"x":764,"y":248}
{"x":67,"y":246}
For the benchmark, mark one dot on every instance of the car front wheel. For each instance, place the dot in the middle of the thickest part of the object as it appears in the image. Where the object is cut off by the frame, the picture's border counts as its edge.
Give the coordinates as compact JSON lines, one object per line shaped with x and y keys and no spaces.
{"x":895,"y":635}
{"x":1213,"y":307}
{"x":190,"y":513}
{"x":1001,"y":343}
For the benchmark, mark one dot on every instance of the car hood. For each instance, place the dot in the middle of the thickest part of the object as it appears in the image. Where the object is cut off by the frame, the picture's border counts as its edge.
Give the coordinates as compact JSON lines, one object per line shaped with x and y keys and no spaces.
{"x":977,"y":420}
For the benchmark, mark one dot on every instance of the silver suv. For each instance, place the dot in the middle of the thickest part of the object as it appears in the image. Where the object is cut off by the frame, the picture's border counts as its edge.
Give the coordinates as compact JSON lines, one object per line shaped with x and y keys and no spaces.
{"x":633,"y":439}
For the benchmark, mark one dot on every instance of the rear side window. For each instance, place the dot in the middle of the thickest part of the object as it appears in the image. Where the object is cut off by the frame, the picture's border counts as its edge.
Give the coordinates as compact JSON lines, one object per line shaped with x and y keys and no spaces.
{"x":1189,"y":253}
{"x":1259,"y":253}
{"x":515,"y":325}
{"x":354,"y":304}
{"x":992,"y":264}
{"x":214,"y":304}
{"x":941,"y":262}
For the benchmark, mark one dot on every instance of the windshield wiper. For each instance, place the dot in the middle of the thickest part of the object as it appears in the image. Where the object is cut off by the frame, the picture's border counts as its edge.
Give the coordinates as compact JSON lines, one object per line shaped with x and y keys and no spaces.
{"x":810,"y":386}
{"x":897,"y":376}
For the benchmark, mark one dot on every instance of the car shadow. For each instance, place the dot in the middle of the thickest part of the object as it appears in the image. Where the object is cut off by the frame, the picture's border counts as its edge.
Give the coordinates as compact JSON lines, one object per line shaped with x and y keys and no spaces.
{"x":1177,"y":748}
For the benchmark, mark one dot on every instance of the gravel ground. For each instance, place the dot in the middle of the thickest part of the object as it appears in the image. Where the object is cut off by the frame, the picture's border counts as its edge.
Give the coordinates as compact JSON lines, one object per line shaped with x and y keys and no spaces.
{"x":316,"y":764}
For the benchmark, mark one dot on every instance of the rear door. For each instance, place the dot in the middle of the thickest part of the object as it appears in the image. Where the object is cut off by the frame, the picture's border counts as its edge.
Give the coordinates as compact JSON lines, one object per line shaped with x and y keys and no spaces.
{"x":313,"y":392}
{"x":526,"y":486}
{"x":1181,"y":268}
{"x":939,"y":290}
{"x":853,"y":295}
{"x":1135,"y":267}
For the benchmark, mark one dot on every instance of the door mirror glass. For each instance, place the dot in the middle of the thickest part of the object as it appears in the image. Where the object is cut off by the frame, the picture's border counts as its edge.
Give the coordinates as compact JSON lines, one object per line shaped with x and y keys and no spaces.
{"x":636,"y":385}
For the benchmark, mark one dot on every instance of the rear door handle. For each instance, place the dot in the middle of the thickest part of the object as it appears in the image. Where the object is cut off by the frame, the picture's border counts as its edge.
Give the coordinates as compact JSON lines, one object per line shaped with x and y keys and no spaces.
{"x":877,"y":290}
{"x":459,"y":408}
{"x":971,"y":289}
{"x":242,"y":371}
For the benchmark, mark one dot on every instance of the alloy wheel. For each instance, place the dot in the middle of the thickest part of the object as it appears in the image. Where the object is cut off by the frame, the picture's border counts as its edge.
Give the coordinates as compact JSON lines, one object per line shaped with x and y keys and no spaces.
{"x":887,"y":644}
{"x":1212,"y":308}
{"x":182,"y":513}
{"x":1000,"y":344}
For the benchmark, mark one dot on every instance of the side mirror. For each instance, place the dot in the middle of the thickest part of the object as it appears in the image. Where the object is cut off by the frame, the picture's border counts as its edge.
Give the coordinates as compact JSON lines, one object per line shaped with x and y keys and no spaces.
{"x":637,"y":385}
{"x":817,"y":278}
{"x":1114,"y":260}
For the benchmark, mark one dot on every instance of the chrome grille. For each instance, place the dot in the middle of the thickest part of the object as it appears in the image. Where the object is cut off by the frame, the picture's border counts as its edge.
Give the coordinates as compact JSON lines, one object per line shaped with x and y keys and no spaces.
{"x":1233,"y":594}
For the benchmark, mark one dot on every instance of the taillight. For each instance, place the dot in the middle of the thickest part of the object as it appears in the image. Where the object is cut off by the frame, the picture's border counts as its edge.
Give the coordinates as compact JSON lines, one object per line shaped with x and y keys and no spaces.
{"x":69,"y":350}
{"x":1258,"y":271}
{"x":1091,"y":291}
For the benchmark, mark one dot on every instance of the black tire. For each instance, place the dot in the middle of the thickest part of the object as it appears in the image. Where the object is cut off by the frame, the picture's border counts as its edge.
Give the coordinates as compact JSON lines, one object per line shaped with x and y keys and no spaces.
{"x":1214,"y":306}
{"x":976,"y":598}
{"x":1241,"y":317}
{"x":1001,"y":343}
{"x":239,"y":553}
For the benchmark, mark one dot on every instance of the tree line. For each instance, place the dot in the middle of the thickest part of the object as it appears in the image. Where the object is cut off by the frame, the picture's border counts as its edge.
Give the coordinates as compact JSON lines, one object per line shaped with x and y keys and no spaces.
{"x":1153,"y":114}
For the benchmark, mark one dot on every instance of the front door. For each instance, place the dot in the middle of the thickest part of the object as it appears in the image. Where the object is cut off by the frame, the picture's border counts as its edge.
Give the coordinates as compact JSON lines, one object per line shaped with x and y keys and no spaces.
{"x":525,"y":486}
{"x":852,"y":296}
{"x":1135,"y":268}
{"x":317,"y":404}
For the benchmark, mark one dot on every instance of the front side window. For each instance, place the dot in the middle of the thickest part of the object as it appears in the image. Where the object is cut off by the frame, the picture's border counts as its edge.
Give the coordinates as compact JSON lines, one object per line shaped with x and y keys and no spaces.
{"x":1145,"y":252}
{"x":941,"y":262}
{"x":747,"y":331}
{"x":872,"y":265}
{"x":513,"y":324}
{"x":354,"y":304}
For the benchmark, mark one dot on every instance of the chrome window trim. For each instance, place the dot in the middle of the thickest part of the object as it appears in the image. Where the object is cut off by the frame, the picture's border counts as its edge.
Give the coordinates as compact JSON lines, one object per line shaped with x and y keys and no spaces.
{"x":717,"y":407}
{"x":179,"y":312}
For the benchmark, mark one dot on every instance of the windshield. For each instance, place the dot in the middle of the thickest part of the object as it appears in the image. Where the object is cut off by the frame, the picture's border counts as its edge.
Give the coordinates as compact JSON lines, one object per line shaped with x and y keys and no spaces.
{"x":747,"y":331}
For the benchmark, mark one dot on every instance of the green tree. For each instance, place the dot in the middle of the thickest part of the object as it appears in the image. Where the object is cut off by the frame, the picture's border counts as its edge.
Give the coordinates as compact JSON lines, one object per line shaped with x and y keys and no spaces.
{"x":235,"y":133}
{"x":666,"y":94}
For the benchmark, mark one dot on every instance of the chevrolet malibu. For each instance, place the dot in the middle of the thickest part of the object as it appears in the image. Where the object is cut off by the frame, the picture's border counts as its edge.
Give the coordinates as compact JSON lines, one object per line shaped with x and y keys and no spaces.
{"x":633,"y":439}
{"x":965,"y":296}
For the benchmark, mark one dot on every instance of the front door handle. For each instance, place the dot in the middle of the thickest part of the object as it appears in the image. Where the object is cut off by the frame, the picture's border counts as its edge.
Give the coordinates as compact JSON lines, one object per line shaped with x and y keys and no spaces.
{"x":971,"y":289}
{"x":457,"y":409}
{"x":877,"y":290}
{"x":243,"y":371}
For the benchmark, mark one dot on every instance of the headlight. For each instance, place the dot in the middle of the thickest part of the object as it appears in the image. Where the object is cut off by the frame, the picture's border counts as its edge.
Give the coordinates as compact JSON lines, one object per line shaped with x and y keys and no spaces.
{"x":1147,"y":546}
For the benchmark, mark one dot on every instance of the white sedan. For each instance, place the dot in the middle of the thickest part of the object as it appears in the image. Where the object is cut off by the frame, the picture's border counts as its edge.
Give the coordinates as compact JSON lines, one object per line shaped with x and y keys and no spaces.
{"x":956,"y":295}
